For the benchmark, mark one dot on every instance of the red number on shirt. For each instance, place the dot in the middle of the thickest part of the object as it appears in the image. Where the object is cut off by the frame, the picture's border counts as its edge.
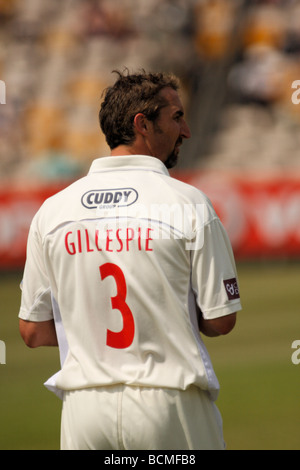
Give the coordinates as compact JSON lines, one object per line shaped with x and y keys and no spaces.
{"x":123,"y":338}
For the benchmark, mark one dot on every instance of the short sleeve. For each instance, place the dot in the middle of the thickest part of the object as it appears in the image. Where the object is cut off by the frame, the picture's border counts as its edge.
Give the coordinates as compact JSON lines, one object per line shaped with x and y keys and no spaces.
{"x":214,"y":275}
{"x":36,"y":304}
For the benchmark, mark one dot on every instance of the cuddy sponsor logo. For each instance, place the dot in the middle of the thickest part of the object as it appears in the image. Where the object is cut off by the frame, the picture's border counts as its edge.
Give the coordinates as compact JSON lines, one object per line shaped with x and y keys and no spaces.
{"x":109,"y":198}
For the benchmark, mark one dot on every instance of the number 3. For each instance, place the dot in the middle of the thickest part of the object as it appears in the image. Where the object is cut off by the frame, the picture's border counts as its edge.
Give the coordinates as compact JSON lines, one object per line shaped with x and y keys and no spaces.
{"x":123,"y":338}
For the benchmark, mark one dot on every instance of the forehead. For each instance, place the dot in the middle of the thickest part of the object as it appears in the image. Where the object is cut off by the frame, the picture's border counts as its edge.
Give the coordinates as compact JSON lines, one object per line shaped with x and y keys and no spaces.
{"x":172,"y":98}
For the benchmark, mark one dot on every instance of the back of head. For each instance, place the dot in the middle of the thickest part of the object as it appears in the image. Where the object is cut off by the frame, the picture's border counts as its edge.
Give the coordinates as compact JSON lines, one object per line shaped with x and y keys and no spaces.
{"x":132,"y":94}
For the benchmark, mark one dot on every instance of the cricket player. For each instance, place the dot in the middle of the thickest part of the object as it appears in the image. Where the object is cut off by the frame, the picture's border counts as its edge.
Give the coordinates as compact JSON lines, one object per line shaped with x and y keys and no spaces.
{"x":126,"y":269}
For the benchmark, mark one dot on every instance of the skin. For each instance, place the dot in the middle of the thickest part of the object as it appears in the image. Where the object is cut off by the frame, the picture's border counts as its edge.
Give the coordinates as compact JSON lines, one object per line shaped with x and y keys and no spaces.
{"x":36,"y":334}
{"x":161,"y":140}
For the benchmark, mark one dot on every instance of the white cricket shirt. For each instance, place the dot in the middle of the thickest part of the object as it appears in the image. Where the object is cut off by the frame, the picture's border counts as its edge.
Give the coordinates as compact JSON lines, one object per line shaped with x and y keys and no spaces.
{"x":120,"y":259}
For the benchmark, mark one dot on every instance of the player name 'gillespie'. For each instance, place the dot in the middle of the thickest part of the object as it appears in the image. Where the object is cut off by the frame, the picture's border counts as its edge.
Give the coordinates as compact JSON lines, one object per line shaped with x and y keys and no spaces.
{"x":111,"y":240}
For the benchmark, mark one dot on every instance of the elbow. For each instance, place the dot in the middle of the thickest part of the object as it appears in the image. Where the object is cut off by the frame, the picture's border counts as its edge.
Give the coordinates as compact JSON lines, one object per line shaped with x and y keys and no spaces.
{"x":29,"y":340}
{"x":218,"y":326}
{"x":28,"y":334}
{"x":227,"y":325}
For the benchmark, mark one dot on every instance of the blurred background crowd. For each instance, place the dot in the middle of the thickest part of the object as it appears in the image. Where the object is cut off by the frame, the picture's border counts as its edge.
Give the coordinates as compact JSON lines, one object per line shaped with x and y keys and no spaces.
{"x":237,"y":60}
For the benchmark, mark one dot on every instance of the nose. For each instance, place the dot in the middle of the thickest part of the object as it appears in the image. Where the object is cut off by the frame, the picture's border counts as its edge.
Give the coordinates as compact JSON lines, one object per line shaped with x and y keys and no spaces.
{"x":185,"y":130}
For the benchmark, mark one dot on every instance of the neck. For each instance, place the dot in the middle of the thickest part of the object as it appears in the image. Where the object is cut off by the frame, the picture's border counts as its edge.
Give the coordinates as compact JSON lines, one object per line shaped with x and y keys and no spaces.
{"x":138,"y":147}
{"x":123,"y":150}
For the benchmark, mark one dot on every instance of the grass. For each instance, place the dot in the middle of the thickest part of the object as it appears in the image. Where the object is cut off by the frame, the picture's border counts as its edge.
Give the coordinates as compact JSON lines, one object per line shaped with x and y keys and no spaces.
{"x":259,"y":398}
{"x":29,"y":414}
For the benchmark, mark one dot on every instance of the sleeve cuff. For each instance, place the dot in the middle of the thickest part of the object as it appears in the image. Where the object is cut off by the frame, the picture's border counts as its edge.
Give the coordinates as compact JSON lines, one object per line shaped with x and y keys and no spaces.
{"x":218,"y":312}
{"x":35,"y":316}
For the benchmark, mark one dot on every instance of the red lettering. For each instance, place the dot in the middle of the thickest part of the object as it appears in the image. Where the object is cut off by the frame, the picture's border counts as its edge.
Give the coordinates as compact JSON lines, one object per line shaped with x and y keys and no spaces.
{"x":108,"y":240}
{"x":121,"y":339}
{"x":119,"y":240}
{"x":139,"y":238}
{"x":129,"y":238}
{"x":70,"y":246}
{"x":88,"y":248}
{"x":96,"y":240}
{"x":148,"y":239}
{"x":79,"y":241}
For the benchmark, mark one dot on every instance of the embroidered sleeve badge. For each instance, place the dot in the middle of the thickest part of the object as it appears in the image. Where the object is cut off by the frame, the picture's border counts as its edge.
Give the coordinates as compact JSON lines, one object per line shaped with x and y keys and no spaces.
{"x":232,"y":288}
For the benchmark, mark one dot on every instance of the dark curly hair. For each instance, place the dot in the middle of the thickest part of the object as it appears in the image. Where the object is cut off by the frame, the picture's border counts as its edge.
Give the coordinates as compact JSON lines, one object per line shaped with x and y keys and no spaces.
{"x":132,"y":94}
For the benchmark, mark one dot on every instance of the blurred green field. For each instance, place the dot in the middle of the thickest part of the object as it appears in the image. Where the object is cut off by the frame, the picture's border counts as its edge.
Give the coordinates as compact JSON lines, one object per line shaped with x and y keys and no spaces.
{"x":260,"y":386}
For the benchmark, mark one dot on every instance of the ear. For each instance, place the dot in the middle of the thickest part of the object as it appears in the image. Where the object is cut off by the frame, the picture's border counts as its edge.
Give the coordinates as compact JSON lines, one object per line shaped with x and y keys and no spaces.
{"x":140,"y":123}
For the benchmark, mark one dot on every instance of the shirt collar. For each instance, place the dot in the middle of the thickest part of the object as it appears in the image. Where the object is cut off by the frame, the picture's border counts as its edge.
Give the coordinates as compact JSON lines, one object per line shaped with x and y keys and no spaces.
{"x":128,"y":162}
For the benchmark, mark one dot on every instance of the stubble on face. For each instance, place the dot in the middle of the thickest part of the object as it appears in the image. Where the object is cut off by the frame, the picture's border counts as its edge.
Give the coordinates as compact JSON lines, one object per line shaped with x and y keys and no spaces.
{"x":172,"y":159}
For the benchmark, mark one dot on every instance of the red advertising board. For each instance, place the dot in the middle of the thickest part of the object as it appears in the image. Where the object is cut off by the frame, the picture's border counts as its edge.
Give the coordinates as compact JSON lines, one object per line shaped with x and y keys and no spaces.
{"x":17,"y":208}
{"x":261,"y":214}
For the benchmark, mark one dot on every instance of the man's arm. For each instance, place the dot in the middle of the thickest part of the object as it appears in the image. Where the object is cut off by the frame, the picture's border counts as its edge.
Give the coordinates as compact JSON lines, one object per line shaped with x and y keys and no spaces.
{"x":37,"y":334}
{"x":218,"y":326}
